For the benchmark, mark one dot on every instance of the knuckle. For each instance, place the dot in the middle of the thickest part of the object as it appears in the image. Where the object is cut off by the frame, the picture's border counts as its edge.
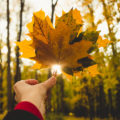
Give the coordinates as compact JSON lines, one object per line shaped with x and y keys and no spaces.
{"x":17,"y":83}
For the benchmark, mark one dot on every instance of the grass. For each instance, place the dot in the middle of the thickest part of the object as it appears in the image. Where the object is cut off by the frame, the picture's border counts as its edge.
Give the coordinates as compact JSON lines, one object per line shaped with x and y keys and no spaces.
{"x":74,"y":118}
{"x":60,"y":117}
{"x":77,"y":118}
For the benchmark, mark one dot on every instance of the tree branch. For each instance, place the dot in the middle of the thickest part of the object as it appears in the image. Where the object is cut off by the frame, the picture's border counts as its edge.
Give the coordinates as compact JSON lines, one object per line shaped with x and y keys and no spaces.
{"x":56,"y":2}
{"x":53,"y":10}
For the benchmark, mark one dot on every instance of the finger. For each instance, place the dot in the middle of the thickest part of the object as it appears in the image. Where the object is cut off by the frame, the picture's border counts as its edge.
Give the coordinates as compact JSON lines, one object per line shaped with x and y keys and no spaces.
{"x":55,"y":73}
{"x":50,"y":82}
{"x":31,"y":81}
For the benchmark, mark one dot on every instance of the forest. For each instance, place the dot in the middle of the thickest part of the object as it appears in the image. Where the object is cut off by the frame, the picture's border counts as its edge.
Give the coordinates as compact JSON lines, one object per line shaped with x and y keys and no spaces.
{"x":79,"y":96}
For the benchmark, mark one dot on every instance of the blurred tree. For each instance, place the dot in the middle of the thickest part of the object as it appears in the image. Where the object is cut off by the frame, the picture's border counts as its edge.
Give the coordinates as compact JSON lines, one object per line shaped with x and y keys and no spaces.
{"x":1,"y":79}
{"x":60,"y":94}
{"x":111,"y":109}
{"x":101,"y":108}
{"x":36,"y":74}
{"x":9,"y":78}
{"x":109,"y":11}
{"x":18,"y":71}
{"x":91,"y":102}
{"x":117,"y":112}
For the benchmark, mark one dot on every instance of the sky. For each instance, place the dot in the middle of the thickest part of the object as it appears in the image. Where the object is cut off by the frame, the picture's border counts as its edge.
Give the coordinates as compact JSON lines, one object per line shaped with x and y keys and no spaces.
{"x":46,"y":5}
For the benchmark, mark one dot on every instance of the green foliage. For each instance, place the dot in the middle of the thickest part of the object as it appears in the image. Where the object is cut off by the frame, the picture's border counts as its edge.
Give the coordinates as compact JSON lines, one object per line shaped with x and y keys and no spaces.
{"x":52,"y":116}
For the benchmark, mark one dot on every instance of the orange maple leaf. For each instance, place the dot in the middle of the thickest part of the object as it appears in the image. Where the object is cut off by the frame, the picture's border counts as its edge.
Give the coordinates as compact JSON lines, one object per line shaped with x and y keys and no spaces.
{"x":103,"y":43}
{"x":49,"y":45}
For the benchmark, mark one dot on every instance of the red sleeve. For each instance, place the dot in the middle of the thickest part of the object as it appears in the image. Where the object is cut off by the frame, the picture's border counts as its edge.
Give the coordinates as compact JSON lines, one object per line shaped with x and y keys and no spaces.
{"x":29,"y":107}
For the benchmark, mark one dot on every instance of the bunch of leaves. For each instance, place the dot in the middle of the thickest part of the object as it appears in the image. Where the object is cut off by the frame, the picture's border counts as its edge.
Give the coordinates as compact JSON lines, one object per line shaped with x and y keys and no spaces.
{"x":65,"y":44}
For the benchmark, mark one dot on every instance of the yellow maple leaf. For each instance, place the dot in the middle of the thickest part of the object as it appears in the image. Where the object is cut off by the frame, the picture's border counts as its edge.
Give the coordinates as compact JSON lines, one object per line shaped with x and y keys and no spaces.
{"x":36,"y":66}
{"x":40,"y":14}
{"x":41,"y":25}
{"x":63,"y":12}
{"x":77,"y":16}
{"x":103,"y":43}
{"x":51,"y":46}
{"x":27,"y":50}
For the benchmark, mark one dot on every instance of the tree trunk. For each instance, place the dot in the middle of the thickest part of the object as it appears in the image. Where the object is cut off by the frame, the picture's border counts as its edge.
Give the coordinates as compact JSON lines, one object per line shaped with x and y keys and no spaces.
{"x":1,"y":81}
{"x":9,"y":91}
{"x":17,"y":76}
{"x":91,"y":103}
{"x":102,"y":102}
{"x":18,"y":71}
{"x":117,"y":101}
{"x":111,"y":109}
{"x":36,"y":75}
{"x":61,"y":92}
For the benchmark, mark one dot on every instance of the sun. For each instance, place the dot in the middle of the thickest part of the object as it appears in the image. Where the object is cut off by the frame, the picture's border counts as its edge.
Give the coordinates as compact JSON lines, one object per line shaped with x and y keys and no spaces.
{"x":56,"y":68}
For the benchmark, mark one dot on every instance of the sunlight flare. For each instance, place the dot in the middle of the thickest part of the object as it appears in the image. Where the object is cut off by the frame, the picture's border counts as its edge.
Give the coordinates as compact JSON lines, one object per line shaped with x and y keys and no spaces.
{"x":56,"y":68}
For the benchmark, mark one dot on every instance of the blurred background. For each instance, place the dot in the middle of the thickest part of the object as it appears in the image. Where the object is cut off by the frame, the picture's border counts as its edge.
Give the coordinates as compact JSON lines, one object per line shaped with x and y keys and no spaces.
{"x":84,"y":98}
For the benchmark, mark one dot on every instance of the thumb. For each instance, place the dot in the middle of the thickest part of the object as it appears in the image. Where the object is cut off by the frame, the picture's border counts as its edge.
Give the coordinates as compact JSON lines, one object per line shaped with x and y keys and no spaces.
{"x":50,"y":82}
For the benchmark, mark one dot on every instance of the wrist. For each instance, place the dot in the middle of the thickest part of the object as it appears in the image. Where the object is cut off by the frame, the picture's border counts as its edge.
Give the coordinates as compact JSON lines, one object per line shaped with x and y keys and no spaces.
{"x":29,"y":107}
{"x":37,"y":104}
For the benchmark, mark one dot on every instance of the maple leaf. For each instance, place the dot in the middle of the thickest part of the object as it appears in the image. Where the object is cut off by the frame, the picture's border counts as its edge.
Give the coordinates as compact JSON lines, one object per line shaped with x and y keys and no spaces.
{"x":103,"y":43}
{"x":36,"y":66}
{"x":65,"y":44}
{"x":26,"y":49}
{"x":93,"y":70}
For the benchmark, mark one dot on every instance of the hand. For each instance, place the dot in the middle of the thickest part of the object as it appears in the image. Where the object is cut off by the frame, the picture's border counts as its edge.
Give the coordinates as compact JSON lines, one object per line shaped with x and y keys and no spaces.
{"x":34,"y":92}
